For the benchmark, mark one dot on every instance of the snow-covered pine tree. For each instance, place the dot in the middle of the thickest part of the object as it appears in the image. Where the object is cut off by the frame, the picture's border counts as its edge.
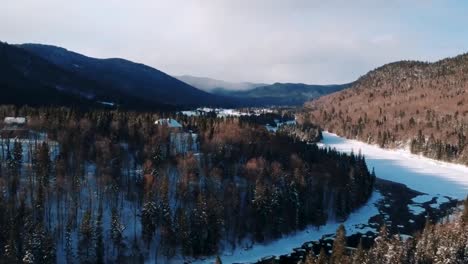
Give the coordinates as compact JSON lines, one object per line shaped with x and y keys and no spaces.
{"x":322,"y":258}
{"x":310,"y":258}
{"x":148,"y":218}
{"x":86,"y":239}
{"x":360,"y":255}
{"x":117,"y":229}
{"x":99,"y":236}
{"x":338,"y":255}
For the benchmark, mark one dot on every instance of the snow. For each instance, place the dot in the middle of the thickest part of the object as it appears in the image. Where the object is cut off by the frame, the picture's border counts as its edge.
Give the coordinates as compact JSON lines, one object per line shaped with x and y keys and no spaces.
{"x":169,"y":122}
{"x":107,"y":103}
{"x":422,"y":198}
{"x":223,"y":112}
{"x":286,"y":245}
{"x":416,"y":209}
{"x":435,"y":178}
{"x":15,"y":120}
{"x":278,"y":124}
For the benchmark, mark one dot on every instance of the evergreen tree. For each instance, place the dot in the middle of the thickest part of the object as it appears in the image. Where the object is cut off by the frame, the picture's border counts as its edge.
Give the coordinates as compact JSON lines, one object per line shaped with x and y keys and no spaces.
{"x":338,"y":255}
{"x":117,"y":229}
{"x":464,"y":217}
{"x":322,"y":258}
{"x":359,"y":256}
{"x":99,"y":237}
{"x":148,"y":218}
{"x":310,"y":258}
{"x":86,"y":239}
{"x":69,"y":252}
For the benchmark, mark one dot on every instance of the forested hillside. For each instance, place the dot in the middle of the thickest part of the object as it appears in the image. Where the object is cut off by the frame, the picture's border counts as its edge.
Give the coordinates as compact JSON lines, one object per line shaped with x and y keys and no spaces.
{"x":111,"y":186}
{"x":27,"y":79}
{"x":127,"y":77}
{"x":423,"y":106}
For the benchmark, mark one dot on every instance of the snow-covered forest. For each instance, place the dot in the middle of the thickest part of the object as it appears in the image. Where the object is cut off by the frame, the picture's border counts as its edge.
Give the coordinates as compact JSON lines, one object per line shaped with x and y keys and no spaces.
{"x":113,"y":186}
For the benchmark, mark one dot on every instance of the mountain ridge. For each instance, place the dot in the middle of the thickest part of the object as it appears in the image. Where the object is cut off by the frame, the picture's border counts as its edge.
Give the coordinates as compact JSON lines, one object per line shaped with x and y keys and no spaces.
{"x":127,"y":76}
{"x":420,"y":105}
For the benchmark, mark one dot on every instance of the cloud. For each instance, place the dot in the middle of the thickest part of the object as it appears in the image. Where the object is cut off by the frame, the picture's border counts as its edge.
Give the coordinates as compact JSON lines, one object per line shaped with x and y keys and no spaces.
{"x":263,"y":40}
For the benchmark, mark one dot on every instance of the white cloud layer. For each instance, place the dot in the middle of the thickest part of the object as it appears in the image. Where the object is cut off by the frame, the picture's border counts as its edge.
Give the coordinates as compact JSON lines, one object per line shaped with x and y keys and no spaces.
{"x":246,"y":40}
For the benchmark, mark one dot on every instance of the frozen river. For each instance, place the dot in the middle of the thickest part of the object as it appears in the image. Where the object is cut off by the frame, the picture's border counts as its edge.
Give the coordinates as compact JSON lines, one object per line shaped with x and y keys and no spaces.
{"x":434,"y":178}
{"x":416,"y":172}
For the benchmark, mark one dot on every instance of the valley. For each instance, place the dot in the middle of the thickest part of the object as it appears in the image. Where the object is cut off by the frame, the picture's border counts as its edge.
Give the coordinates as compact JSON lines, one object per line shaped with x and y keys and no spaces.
{"x":233,"y":132}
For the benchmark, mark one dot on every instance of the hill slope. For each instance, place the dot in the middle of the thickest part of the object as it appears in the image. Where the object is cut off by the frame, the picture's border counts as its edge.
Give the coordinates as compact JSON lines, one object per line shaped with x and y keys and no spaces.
{"x":127,"y":77}
{"x":423,"y":106}
{"x":28,"y":79}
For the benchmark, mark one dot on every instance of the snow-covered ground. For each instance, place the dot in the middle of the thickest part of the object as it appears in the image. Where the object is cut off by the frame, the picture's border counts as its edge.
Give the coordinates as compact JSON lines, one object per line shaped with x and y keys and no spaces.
{"x":279,"y":124}
{"x":222,"y":112}
{"x":286,"y":244}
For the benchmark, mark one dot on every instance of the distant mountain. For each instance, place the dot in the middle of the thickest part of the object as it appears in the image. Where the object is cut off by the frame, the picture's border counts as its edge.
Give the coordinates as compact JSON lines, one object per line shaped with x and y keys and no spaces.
{"x":284,"y":93}
{"x":210,"y":85}
{"x":128,"y":78}
{"x":420,"y":105}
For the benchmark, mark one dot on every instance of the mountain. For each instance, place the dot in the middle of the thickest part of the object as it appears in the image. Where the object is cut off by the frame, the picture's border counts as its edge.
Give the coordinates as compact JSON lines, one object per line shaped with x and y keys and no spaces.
{"x":419,"y":105}
{"x":128,"y":78}
{"x":284,"y":93}
{"x":28,"y":79}
{"x":210,"y":85}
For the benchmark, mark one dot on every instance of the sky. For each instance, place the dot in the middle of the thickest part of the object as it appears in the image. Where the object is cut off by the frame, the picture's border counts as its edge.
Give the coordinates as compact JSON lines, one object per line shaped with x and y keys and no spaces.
{"x":316,"y":42}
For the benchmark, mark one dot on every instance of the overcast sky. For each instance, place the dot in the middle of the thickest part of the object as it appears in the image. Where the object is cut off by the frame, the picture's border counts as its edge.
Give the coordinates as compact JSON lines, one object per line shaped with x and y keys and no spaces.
{"x":246,"y":40}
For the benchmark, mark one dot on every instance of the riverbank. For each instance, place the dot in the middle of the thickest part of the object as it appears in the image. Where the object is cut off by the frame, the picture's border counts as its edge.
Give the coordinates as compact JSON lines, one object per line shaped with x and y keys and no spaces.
{"x":395,"y":209}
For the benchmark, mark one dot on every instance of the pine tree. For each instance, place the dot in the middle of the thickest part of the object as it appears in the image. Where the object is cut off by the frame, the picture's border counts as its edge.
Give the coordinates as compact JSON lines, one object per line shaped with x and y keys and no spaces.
{"x":69,"y":253}
{"x":339,"y":247}
{"x":310,"y":258}
{"x":41,"y":245}
{"x":464,"y":217}
{"x":148,"y":218}
{"x":117,"y":229}
{"x":28,"y":258}
{"x":183,"y":232}
{"x":85,"y":244}
{"x":359,"y":256}
{"x":381,"y":244}
{"x":322,"y":258}
{"x":99,"y":237}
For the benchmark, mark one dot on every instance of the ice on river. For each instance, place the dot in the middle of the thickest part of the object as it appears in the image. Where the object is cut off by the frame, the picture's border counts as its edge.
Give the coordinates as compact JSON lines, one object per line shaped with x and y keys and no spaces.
{"x":422,"y":174}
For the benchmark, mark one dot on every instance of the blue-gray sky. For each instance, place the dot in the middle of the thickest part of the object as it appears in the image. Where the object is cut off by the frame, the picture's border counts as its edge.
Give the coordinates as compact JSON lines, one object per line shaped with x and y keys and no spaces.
{"x":246,"y":40}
